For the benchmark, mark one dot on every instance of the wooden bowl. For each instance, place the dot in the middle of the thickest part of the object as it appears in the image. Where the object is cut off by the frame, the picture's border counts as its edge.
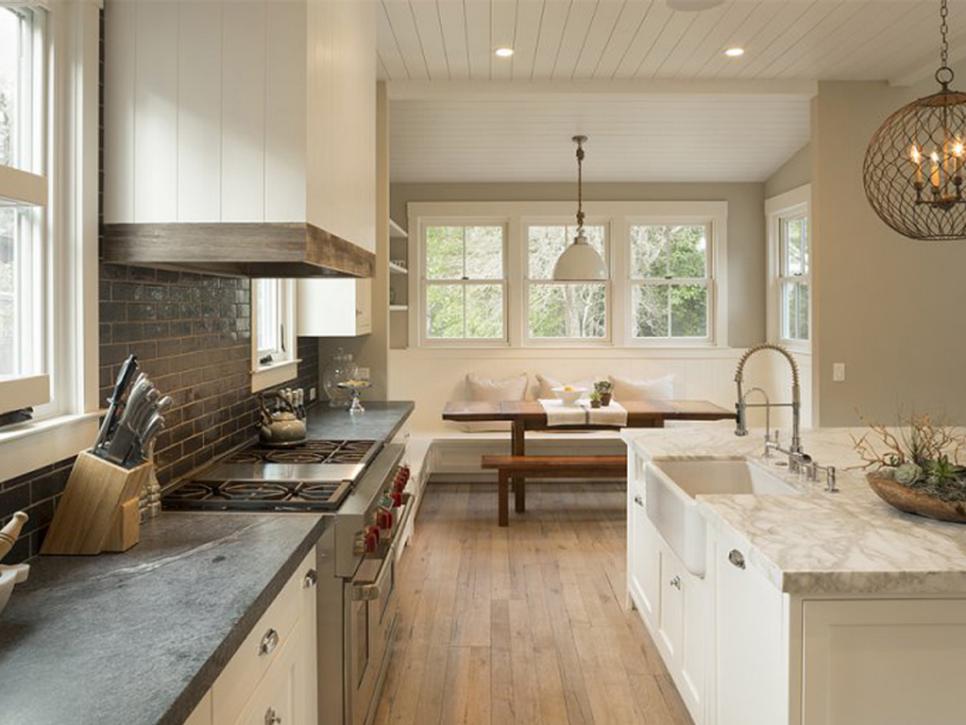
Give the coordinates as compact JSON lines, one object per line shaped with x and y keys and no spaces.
{"x":916,"y":502}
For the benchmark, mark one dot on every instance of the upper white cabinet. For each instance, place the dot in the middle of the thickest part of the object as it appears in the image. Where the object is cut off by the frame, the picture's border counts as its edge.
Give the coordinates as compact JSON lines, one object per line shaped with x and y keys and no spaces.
{"x":260,"y":111}
{"x":334,"y":307}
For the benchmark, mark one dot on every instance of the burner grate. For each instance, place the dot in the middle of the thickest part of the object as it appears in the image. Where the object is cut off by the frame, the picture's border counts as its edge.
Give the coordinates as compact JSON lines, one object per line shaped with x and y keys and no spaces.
{"x":312,"y":451}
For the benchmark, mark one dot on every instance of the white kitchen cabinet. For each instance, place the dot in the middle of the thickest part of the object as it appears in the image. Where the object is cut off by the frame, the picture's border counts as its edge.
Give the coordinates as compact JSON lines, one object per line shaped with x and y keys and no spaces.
{"x":260,"y":112}
{"x":750,"y":679}
{"x":272,"y":678}
{"x":334,"y":307}
{"x":201,"y":715}
{"x":886,"y":661}
{"x":643,"y":554}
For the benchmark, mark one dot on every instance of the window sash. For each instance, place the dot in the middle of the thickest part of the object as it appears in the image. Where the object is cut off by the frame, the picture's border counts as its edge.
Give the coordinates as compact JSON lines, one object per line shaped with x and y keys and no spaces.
{"x":465,"y":284}
{"x":637,"y":283}
{"x":793,"y":330}
{"x":269,"y":318}
{"x":529,"y":284}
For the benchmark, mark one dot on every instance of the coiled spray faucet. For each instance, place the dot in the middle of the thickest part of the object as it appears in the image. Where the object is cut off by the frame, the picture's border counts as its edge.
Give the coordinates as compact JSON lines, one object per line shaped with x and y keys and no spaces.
{"x":741,"y":406}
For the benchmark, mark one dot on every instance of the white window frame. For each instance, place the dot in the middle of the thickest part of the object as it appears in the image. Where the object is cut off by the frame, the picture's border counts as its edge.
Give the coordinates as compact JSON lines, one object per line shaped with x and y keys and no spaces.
{"x":284,"y":364}
{"x":423,"y":283}
{"x":607,"y":339}
{"x":68,"y":185}
{"x":618,"y":215}
{"x":794,"y":203}
{"x":717,"y":307}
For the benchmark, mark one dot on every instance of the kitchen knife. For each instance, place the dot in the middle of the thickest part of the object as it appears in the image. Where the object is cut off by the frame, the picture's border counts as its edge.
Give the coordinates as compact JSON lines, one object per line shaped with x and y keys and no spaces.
{"x":139,"y":452}
{"x":124,"y":377}
{"x":145,"y":409}
{"x":124,"y":436}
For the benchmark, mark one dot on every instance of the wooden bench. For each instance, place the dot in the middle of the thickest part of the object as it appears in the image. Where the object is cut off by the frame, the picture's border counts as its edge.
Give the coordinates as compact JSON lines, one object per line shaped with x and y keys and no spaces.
{"x":517,"y":468}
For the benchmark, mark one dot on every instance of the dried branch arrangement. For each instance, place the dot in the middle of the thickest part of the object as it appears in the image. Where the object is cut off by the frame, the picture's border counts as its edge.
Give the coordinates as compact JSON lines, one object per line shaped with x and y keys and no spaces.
{"x":921,"y":453}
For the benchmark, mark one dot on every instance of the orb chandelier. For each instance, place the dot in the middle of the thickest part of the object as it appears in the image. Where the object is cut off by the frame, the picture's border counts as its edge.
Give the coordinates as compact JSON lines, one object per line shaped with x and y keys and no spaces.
{"x":580,"y":261}
{"x":916,"y":163}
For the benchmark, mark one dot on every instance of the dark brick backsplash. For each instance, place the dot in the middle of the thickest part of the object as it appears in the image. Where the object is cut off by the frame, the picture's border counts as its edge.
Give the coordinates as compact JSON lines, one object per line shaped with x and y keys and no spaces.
{"x":192,"y":336}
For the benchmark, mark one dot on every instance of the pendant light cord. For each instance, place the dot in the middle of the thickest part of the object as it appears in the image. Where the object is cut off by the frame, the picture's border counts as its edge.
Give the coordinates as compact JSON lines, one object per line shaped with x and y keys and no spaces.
{"x":580,"y":184}
{"x":945,"y":74}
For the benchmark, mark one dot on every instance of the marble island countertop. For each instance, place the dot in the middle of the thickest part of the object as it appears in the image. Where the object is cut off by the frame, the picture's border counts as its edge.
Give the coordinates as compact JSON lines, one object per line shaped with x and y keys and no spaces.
{"x":849,"y":542}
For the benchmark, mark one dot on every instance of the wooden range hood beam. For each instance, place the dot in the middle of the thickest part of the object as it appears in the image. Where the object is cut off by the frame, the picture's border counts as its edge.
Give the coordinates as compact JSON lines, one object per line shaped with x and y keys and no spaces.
{"x":237,"y":249}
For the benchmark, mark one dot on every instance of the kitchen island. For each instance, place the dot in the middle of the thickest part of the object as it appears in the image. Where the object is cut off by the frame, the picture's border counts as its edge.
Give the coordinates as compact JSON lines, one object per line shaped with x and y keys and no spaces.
{"x":812,"y":607}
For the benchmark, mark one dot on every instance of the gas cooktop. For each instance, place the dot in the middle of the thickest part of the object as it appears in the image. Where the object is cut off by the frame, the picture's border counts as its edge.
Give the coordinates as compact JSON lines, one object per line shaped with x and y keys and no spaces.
{"x":313,"y":476}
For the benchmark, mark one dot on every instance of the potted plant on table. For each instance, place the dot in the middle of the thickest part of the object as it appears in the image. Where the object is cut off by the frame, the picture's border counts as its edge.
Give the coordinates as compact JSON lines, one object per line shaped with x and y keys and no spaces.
{"x":595,"y":399}
{"x":917,"y":467}
{"x":605,"y":391}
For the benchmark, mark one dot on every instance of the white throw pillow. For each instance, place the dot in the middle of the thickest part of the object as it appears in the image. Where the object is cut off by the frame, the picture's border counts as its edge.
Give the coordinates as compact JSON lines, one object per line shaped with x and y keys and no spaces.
{"x":488,"y":390}
{"x":547,"y":384}
{"x":656,"y":389}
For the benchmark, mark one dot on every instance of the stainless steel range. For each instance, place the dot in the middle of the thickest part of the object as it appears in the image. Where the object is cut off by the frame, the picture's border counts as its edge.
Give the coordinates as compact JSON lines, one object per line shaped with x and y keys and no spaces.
{"x":362,"y":485}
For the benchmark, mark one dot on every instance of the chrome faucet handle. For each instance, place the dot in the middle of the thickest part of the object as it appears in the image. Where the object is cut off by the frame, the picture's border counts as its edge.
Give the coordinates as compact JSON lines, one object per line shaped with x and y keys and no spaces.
{"x":830,"y":480}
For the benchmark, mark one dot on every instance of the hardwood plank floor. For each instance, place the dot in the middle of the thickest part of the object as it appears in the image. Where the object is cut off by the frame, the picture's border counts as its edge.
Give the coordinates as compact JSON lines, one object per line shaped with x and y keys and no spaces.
{"x":523,"y":624}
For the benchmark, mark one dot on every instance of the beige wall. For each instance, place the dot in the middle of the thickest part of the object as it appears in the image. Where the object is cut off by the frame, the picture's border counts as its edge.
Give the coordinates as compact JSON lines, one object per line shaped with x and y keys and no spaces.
{"x":746,"y":228}
{"x":889,"y":307}
{"x":795,"y":172}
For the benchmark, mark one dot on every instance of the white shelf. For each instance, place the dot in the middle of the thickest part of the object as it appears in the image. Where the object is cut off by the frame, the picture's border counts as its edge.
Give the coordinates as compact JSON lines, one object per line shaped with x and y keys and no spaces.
{"x":396,"y":231}
{"x":398,"y":308}
{"x":397,"y":268}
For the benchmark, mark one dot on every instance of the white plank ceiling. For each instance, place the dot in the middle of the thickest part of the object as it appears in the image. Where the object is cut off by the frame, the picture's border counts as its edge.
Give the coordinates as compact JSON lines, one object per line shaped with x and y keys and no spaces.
{"x":669,"y":137}
{"x":609,"y":39}
{"x":723,"y":121}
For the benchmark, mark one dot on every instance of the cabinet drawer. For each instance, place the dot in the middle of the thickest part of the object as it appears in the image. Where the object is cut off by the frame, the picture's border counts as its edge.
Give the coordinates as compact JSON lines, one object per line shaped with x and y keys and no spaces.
{"x":260,"y":648}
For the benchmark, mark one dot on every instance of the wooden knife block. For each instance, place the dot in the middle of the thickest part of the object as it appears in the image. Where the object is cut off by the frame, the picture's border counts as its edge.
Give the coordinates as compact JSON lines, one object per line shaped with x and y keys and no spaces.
{"x":99,"y":509}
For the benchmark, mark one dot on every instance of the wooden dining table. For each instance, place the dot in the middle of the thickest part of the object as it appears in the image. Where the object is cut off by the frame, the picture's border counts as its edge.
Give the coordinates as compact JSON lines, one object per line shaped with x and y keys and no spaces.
{"x":524,"y":415}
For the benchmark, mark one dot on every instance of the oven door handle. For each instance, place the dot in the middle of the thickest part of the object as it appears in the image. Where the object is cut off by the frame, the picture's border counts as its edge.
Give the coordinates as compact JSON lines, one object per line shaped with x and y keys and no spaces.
{"x":367,"y":591}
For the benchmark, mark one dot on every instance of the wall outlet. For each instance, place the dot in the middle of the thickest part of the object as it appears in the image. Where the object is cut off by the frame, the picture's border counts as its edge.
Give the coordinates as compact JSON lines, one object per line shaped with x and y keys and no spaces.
{"x":312,"y":394}
{"x":838,"y":372}
{"x":363,"y":373}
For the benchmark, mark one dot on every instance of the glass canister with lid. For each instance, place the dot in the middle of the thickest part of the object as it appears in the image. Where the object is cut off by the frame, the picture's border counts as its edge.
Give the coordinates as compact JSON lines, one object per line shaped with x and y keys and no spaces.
{"x":340,"y":369}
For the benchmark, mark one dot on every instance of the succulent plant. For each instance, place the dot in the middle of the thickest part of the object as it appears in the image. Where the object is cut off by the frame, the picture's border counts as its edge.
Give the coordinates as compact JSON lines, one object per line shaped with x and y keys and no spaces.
{"x":908,"y":473}
{"x":603,"y":386}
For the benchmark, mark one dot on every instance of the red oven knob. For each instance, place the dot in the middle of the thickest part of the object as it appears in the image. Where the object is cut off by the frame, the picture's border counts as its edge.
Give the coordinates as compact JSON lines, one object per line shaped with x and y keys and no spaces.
{"x":384,"y":519}
{"x":397,"y":498}
{"x":371,"y":539}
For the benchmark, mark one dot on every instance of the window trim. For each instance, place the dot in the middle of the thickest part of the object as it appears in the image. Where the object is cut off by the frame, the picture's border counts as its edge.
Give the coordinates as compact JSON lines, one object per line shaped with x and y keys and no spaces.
{"x":70,"y":158}
{"x":285,"y":368}
{"x":516,"y":214}
{"x":418,"y":277}
{"x":796,"y":202}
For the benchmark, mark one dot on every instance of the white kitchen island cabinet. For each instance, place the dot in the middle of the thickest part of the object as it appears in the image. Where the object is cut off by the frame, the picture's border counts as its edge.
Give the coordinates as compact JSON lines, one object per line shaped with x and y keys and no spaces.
{"x":814,"y":609}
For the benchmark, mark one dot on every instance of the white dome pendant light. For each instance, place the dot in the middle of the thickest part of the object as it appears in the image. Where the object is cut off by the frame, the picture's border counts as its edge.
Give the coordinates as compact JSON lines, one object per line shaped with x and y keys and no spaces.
{"x":580,"y":261}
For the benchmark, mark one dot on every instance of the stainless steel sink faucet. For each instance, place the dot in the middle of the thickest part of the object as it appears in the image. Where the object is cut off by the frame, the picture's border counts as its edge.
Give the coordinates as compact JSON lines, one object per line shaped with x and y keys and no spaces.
{"x":741,"y":407}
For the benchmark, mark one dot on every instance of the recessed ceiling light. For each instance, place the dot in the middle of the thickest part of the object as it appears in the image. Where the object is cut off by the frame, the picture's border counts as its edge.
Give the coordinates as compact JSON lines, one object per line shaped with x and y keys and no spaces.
{"x":735,"y":52}
{"x":504,"y":52}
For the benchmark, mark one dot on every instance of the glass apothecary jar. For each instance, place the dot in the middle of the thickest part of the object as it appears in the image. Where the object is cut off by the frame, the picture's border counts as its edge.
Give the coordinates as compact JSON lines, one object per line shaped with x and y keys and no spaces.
{"x":340,"y":369}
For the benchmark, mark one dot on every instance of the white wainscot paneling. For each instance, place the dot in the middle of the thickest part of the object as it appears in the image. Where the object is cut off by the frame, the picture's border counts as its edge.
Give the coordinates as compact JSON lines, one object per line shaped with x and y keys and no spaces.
{"x":433,"y":376}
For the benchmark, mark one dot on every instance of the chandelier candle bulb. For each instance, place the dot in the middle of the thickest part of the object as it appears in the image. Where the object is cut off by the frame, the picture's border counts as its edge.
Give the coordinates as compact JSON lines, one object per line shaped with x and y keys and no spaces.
{"x":917,"y":161}
{"x":934,"y":173}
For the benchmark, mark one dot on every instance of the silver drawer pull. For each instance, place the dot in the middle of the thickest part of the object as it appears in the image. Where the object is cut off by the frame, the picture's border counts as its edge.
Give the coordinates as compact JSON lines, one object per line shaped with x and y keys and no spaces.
{"x":311,"y":577}
{"x":737,"y":558}
{"x":676,"y":582}
{"x":639,"y":501}
{"x":271,"y":717}
{"x":269,"y":642}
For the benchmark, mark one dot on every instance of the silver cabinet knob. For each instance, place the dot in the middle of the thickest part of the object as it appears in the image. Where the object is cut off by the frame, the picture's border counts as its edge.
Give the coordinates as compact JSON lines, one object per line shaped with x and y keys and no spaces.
{"x":271,"y":717}
{"x":269,"y":642}
{"x":737,"y":558}
{"x":676,"y":582}
{"x":311,"y":577}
